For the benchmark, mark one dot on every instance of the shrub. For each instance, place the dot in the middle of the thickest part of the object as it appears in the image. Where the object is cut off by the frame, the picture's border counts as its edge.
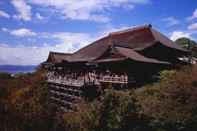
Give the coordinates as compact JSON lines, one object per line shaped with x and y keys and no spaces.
{"x":24,"y":106}
{"x":169,"y":105}
{"x":114,"y":111}
{"x":5,"y":75}
{"x":85,"y":119}
{"x":172,"y":101}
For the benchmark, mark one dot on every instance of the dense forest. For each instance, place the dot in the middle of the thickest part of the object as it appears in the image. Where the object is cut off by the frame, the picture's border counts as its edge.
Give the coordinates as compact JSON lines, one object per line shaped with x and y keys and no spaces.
{"x":168,"y":105}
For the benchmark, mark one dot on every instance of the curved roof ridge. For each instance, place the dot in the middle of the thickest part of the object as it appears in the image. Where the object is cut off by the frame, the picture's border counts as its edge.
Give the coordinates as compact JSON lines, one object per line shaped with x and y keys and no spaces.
{"x":130,"y":29}
{"x":100,"y":39}
{"x":59,"y":53}
{"x":116,"y":33}
{"x":137,"y":38}
{"x":165,"y":40}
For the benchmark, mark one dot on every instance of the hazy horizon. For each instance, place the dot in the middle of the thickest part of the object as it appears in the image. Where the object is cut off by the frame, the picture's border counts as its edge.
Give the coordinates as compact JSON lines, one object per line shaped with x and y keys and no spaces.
{"x":17,"y":68}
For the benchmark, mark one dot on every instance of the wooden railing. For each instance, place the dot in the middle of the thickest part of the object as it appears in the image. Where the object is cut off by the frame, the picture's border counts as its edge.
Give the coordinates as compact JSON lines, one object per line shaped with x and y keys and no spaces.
{"x":70,"y":82}
{"x":95,"y":79}
{"x":116,"y":79}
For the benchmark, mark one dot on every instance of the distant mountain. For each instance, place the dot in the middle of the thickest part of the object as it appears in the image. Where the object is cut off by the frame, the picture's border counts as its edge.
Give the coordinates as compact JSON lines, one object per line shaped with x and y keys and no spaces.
{"x":17,"y":68}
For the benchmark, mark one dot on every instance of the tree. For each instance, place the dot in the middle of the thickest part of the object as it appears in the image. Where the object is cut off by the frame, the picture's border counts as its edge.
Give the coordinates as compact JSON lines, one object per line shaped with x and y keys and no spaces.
{"x":171,"y":102}
{"x":188,"y":44}
{"x":24,"y":103}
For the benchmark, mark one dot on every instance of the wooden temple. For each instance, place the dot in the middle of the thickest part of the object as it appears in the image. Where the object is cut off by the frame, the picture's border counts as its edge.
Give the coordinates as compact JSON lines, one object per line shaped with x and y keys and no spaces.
{"x":123,"y":59}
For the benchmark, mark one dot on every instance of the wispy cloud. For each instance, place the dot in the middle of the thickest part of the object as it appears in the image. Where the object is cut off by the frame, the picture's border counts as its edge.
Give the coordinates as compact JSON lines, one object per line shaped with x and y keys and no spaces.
{"x":65,"y":42}
{"x":193,"y":26}
{"x":22,"y":32}
{"x":38,"y":16}
{"x":194,"y":15}
{"x":22,"y":55}
{"x":25,"y":55}
{"x":171,"y":21}
{"x":94,"y":10}
{"x":4,"y":14}
{"x":178,"y":34}
{"x":70,"y":42}
{"x":4,"y":29}
{"x":23,"y":10}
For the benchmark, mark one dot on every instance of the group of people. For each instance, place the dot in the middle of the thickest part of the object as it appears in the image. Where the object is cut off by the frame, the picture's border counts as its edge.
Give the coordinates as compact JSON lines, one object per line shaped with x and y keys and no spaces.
{"x":66,"y":79}
{"x":106,"y":77}
{"x":81,"y":78}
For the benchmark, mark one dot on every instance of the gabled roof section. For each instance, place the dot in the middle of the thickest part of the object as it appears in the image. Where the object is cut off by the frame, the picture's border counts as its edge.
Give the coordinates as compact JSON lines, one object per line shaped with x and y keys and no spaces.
{"x":92,"y":51}
{"x":111,"y":54}
{"x":137,"y":38}
{"x":166,"y":41}
{"x":121,"y":53}
{"x":133,"y":55}
{"x":131,"y":40}
{"x":55,"y":57}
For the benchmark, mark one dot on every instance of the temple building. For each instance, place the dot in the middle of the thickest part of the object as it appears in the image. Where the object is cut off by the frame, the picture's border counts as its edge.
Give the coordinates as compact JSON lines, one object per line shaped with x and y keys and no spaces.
{"x":124,"y":59}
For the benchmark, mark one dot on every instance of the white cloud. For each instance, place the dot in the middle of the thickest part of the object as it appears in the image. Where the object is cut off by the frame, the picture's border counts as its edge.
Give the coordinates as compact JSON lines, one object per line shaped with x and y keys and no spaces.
{"x":194,"y":16}
{"x":4,"y":29}
{"x":70,"y":42}
{"x":86,"y":9}
{"x":4,"y":14}
{"x":23,"y":55}
{"x":192,"y":26}
{"x":23,"y":32}
{"x":178,"y":34}
{"x":171,"y":21}
{"x":23,"y":10}
{"x":20,"y":55}
{"x":38,"y":16}
{"x":65,"y":42}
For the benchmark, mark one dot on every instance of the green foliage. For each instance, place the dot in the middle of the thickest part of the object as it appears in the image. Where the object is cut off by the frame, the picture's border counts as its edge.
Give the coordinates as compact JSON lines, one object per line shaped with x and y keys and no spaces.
{"x":171,"y":102}
{"x":188,"y":44}
{"x":185,"y":42}
{"x":23,"y":103}
{"x":167,"y":74}
{"x":113,"y":108}
{"x":169,"y":105}
{"x":4,"y":75}
{"x":85,"y":119}
{"x":114,"y":111}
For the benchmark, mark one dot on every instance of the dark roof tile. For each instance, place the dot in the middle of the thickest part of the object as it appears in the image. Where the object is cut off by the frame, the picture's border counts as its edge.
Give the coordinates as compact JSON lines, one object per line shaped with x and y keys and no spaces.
{"x":56,"y":57}
{"x":133,"y":55}
{"x":137,"y":38}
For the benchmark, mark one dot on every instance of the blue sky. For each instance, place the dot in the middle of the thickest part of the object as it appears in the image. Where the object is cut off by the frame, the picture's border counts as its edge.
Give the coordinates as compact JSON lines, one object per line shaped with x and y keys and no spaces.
{"x":29,"y":29}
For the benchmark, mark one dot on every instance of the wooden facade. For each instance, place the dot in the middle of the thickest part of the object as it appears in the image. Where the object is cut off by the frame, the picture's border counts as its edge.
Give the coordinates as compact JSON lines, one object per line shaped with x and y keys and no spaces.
{"x":125,"y":58}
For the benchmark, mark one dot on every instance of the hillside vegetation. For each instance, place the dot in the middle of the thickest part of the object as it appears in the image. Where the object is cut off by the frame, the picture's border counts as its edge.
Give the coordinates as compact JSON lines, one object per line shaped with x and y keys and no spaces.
{"x":168,"y":105}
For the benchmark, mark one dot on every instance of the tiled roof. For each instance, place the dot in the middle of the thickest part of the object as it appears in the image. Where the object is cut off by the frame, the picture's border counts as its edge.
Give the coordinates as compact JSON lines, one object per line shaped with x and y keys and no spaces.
{"x":133,"y":55}
{"x":56,"y":57}
{"x":137,"y":38}
{"x":134,"y":39}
